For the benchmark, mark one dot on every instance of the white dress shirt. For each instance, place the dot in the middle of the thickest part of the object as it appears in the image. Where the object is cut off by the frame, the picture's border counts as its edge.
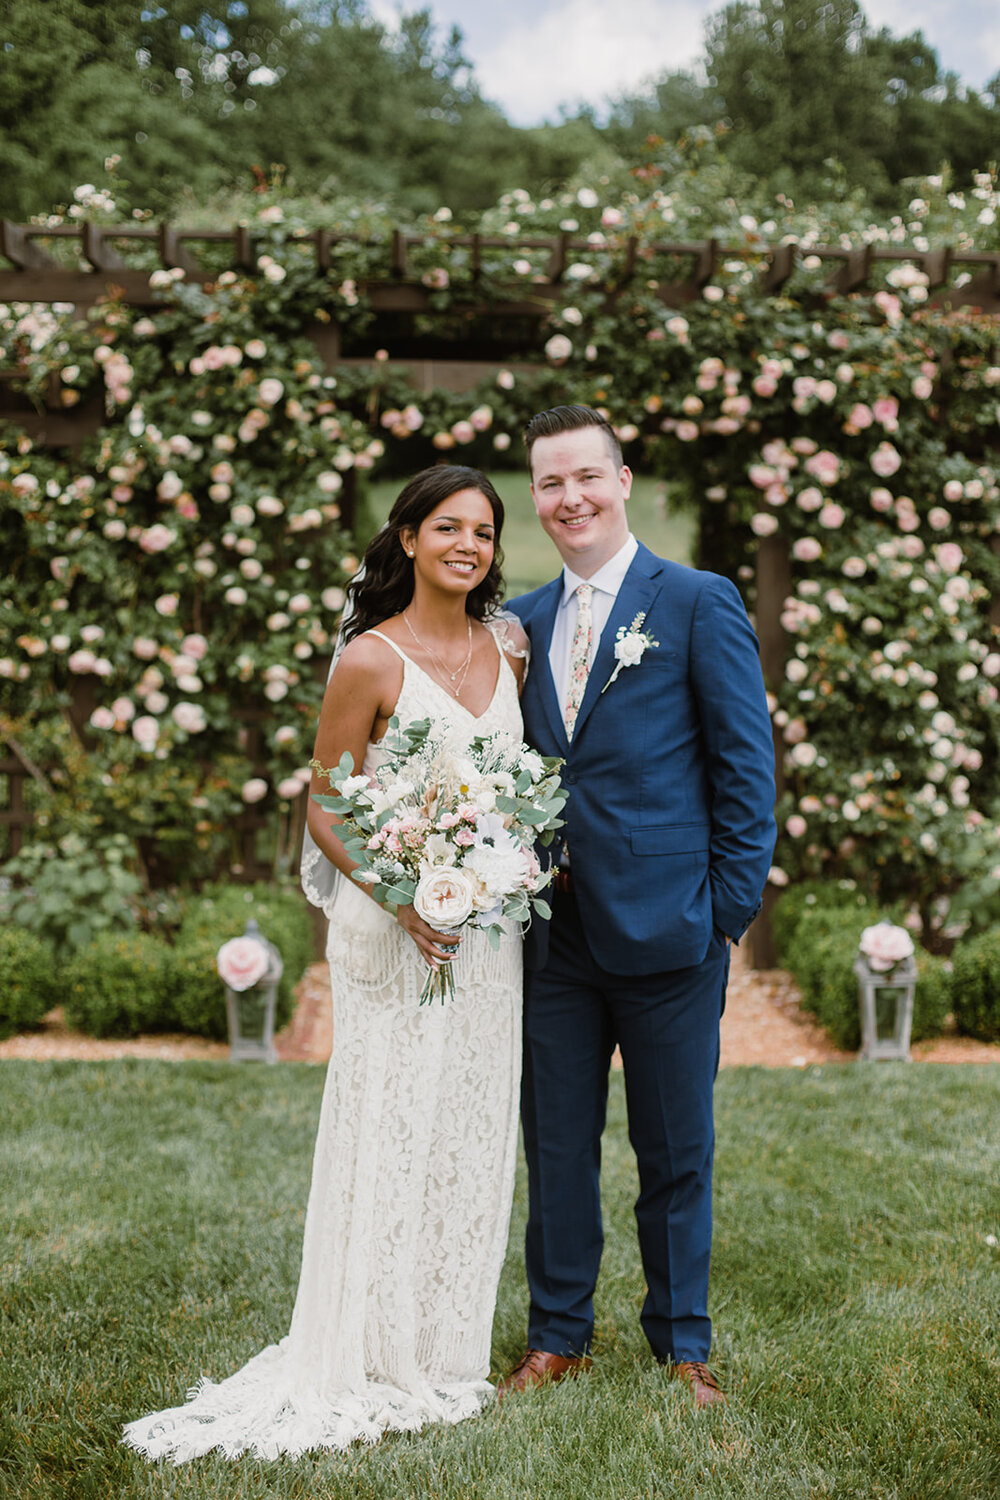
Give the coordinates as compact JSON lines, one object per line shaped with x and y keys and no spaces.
{"x":605,"y":582}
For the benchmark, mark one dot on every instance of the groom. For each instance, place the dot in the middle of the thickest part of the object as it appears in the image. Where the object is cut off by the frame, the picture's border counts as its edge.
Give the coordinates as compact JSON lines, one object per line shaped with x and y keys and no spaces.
{"x":645,"y":677}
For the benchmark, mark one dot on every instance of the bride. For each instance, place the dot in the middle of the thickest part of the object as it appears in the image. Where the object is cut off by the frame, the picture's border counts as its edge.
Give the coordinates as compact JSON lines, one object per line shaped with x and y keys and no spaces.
{"x":413,"y":1172}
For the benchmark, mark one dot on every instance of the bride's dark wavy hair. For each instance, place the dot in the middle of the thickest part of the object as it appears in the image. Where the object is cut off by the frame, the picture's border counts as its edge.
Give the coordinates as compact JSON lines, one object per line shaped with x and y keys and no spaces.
{"x":385,"y":586}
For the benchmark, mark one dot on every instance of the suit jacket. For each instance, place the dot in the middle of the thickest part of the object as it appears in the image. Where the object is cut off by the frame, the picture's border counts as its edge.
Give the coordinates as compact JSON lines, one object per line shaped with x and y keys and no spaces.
{"x":670,"y":819}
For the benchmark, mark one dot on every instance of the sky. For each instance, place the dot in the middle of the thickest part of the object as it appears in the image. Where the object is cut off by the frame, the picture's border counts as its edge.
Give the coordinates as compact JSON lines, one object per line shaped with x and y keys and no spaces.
{"x":533,"y":56}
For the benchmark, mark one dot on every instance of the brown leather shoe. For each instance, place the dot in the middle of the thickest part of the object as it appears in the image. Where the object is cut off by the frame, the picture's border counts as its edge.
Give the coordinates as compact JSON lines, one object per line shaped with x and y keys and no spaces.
{"x":538,"y":1367}
{"x":699,"y":1379}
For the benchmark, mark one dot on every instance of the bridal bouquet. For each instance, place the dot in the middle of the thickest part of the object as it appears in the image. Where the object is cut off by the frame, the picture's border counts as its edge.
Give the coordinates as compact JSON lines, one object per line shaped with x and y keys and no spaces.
{"x":450,"y":826}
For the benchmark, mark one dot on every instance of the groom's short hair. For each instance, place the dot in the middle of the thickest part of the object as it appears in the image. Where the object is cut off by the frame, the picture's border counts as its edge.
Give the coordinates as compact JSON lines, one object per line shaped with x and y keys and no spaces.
{"x":569,"y":419}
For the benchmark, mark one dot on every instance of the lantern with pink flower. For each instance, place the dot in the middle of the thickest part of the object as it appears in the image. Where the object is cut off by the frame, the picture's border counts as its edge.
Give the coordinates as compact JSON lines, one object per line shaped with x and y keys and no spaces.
{"x":250,"y":968}
{"x":887,"y":979}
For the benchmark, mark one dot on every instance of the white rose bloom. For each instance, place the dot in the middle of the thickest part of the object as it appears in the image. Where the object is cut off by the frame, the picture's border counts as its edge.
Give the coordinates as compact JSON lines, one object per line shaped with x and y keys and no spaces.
{"x":629,"y":649}
{"x":444,"y":898}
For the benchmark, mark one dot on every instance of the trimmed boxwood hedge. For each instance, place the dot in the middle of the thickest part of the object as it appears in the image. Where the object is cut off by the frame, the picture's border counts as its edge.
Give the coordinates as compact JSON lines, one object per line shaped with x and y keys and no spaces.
{"x":125,"y":983}
{"x":27,"y":980}
{"x":976,"y":986}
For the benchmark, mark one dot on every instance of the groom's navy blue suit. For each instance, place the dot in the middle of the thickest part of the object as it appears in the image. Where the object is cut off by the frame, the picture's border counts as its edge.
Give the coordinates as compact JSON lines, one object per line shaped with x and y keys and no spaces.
{"x":670,"y":831}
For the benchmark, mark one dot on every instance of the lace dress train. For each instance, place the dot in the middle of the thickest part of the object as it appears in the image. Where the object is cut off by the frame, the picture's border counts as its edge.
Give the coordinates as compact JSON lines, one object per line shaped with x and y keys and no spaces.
{"x":413,"y":1175}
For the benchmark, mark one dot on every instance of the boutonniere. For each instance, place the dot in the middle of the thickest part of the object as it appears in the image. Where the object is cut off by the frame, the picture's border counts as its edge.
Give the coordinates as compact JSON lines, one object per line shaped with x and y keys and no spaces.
{"x":630,"y":646}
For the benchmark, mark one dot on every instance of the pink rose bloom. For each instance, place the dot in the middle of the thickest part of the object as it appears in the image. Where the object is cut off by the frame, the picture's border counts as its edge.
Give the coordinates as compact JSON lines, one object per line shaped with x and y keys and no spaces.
{"x":166,"y":605}
{"x":881,"y":500}
{"x":289,"y":788}
{"x":765,"y":386}
{"x":824,"y":466}
{"x":889,"y":305}
{"x":807,"y":549}
{"x":145,"y":732}
{"x":922,"y":387}
{"x":826,"y":391}
{"x":102,"y":718}
{"x":82,"y":661}
{"x":687,"y":432}
{"x":838,"y":339}
{"x":938,"y":519}
{"x":443,"y":440}
{"x":950,"y":556}
{"x":809,"y":499}
{"x":860,"y":417}
{"x":804,"y":386}
{"x":761,"y":475}
{"x":189,"y":716}
{"x":253,"y":790}
{"x":194,"y":645}
{"x":170,"y":486}
{"x":242,"y":963}
{"x":796,"y":826}
{"x":611,"y":217}
{"x":885,"y":945}
{"x":156,"y":538}
{"x":763,"y":524}
{"x":465,"y":837}
{"x":832,"y":517}
{"x":885,"y":460}
{"x":796,"y":731}
{"x":886,"y":411}
{"x":463,"y":432}
{"x":953,"y":490}
{"x":124,"y":709}
{"x":482,"y":418}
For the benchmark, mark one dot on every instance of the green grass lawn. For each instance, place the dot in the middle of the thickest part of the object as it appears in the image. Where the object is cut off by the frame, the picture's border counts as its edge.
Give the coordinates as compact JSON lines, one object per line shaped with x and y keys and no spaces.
{"x":153,"y":1220}
{"x":529,"y":557}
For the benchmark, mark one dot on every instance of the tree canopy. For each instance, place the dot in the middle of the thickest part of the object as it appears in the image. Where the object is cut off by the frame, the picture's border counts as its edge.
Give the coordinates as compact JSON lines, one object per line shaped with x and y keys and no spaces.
{"x":202,"y":98}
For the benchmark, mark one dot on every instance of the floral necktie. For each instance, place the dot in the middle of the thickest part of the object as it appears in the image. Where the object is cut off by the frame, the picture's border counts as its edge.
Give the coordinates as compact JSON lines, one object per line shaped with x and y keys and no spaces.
{"x":579,"y":656}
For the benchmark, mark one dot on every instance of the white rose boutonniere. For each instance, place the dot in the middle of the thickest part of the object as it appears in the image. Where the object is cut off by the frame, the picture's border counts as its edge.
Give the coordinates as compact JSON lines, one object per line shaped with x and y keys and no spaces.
{"x":630,"y":647}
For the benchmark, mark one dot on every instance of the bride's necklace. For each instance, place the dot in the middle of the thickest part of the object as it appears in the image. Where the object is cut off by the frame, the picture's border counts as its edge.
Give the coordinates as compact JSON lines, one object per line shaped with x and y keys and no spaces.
{"x":455,"y":680}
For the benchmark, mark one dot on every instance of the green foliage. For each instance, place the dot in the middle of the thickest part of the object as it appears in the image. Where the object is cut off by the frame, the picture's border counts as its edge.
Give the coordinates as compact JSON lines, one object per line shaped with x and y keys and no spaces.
{"x":27,"y":984}
{"x":211,"y":919}
{"x":976,"y":986}
{"x":70,"y":893}
{"x":120,"y":984}
{"x":798,"y":901}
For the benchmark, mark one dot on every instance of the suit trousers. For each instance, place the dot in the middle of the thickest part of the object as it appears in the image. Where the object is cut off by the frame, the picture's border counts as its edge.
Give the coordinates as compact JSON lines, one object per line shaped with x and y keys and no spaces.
{"x":667,"y":1026}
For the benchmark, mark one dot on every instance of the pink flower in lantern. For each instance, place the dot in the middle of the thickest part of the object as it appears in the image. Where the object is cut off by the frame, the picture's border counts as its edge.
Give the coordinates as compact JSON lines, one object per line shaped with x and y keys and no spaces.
{"x":242,"y":963}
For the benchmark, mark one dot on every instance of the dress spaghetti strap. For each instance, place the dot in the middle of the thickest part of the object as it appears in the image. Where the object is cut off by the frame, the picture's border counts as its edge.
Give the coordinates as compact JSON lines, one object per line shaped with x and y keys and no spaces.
{"x":400,"y":653}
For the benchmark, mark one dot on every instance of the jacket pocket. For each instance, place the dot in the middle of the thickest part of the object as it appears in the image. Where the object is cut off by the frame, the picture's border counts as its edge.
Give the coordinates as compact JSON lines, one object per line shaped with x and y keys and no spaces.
{"x":677,"y":838}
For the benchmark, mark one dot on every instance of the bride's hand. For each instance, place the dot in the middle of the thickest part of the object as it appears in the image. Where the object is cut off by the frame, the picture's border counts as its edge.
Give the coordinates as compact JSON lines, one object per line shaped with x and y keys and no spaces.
{"x":435,"y":948}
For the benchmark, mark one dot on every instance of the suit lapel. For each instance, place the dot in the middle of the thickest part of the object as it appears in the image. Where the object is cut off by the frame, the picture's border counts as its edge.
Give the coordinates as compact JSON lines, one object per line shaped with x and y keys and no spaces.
{"x":542,"y":627}
{"x":639,"y":588}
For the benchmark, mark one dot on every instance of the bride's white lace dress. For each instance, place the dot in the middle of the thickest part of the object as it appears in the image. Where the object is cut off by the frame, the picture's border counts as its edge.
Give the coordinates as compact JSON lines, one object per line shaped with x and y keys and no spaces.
{"x":412,"y":1183}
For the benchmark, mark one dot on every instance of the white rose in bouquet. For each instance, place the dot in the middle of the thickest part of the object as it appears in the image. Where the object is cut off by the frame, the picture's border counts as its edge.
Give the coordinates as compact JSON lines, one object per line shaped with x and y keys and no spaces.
{"x":885,"y":945}
{"x":443,"y":897}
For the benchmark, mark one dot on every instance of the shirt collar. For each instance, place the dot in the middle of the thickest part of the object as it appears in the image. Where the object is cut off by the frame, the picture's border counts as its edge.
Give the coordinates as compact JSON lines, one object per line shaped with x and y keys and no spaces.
{"x":608,"y":578}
